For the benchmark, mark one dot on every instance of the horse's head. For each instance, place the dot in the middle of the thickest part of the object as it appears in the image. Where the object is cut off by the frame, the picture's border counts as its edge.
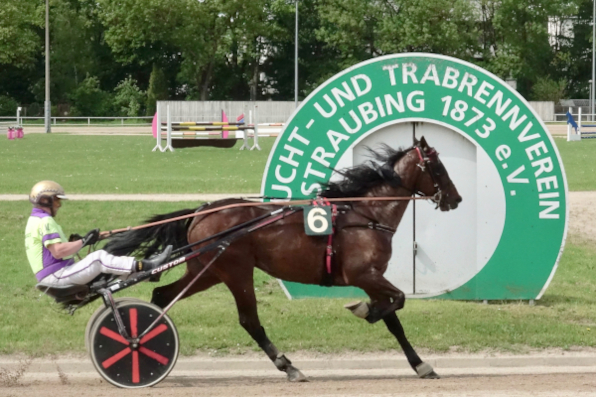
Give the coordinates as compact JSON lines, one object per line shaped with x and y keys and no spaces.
{"x":434,"y":179}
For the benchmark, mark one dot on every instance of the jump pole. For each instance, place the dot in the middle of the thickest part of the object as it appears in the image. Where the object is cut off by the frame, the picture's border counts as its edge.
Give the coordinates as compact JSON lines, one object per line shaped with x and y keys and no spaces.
{"x":256,"y":137}
{"x":158,"y":134}
{"x":579,"y":122}
{"x":169,"y":135}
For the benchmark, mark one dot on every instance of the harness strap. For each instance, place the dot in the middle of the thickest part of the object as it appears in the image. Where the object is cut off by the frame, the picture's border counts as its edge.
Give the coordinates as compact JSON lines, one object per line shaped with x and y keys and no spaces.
{"x":373,"y":226}
{"x":330,"y":239}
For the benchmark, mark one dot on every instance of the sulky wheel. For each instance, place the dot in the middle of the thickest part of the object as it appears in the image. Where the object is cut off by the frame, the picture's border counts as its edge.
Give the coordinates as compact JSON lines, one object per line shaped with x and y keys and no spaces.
{"x":133,"y":365}
{"x":96,"y":315}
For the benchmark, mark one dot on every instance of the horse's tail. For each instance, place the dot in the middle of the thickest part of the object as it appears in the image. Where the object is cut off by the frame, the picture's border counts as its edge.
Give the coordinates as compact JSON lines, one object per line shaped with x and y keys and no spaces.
{"x":148,"y":241}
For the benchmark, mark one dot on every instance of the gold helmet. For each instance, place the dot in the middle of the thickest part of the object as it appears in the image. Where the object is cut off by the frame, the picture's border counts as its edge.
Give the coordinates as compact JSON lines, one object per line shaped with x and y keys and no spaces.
{"x":48,"y":189}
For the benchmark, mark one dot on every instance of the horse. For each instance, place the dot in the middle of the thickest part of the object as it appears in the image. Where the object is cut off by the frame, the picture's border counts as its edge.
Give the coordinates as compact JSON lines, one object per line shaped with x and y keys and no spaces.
{"x":361,"y":244}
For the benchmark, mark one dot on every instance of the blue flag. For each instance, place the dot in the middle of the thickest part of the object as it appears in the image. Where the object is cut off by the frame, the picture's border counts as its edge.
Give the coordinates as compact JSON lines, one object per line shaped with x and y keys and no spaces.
{"x":571,"y":121}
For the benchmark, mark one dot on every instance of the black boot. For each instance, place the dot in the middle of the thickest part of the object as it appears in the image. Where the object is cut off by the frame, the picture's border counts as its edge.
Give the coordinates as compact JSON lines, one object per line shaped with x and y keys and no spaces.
{"x":153,"y":262}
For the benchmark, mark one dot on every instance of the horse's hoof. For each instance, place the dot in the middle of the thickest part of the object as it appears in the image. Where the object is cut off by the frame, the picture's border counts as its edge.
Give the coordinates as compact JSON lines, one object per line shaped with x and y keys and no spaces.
{"x":359,"y":309}
{"x":426,"y":371}
{"x":294,"y":375}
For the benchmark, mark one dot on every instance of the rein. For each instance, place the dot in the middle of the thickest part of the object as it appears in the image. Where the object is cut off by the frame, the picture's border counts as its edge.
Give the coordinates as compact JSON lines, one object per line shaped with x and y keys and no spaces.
{"x":109,"y":233}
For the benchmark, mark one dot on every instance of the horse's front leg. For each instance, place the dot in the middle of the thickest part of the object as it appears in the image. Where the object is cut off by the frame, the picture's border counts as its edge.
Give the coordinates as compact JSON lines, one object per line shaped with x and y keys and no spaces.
{"x":386,"y":299}
{"x":242,"y":288}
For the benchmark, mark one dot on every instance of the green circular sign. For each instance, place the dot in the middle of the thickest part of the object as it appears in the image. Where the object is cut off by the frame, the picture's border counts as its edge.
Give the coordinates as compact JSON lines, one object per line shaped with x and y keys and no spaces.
{"x":519,"y":197}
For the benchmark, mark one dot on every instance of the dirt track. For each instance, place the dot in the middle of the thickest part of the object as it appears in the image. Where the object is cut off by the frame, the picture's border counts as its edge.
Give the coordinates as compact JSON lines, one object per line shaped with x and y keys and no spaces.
{"x":551,"y":384}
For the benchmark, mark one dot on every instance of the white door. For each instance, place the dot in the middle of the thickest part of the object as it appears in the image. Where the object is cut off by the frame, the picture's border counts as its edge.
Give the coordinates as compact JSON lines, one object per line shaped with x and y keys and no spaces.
{"x":434,"y":251}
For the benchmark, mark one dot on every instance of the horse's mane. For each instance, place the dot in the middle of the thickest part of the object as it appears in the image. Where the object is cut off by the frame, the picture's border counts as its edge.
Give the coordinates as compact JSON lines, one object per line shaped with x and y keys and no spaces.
{"x":358,"y":180}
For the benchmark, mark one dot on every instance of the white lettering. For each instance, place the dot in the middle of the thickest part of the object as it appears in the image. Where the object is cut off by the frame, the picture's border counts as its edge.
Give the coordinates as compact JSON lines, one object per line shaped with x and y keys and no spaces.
{"x":512,"y":178}
{"x":290,"y":160}
{"x":431,"y":74}
{"x":335,"y":138}
{"x":419,"y":102}
{"x":408,"y":70}
{"x":482,"y":91}
{"x":367,"y":112}
{"x":319,"y":155}
{"x":349,"y":129}
{"x":331,"y":104}
{"x":536,"y":149}
{"x":450,"y":77}
{"x":468,"y":81}
{"x":284,"y":179}
{"x":367,"y":84}
{"x":338,"y":94}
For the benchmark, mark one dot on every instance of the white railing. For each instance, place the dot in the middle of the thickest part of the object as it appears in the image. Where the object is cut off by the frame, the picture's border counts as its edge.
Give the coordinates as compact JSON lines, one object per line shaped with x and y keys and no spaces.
{"x":65,"y":121}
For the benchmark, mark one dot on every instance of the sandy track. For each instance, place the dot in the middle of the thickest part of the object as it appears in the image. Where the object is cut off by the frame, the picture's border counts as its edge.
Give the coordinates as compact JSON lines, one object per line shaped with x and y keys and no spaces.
{"x":550,"y":384}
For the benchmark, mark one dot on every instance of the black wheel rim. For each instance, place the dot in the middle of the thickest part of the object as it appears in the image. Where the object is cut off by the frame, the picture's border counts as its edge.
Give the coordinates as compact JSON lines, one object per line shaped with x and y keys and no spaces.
{"x":134,"y":365}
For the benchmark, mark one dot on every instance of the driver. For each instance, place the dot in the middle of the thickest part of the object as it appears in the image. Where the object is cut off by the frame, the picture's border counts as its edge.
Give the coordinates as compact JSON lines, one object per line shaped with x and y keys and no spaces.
{"x":51,"y":255}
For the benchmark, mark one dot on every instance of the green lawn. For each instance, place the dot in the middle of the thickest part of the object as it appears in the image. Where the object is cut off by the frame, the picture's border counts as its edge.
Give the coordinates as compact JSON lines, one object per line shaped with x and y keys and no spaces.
{"x":126,"y":164}
{"x":208,"y":321}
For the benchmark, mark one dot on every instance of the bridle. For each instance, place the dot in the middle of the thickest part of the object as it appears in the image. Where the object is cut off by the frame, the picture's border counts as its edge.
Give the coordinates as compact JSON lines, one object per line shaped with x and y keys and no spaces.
{"x":426,"y":162}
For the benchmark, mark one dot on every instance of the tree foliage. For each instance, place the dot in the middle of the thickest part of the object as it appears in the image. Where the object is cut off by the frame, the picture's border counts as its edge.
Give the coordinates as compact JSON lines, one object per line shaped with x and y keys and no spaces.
{"x":141,"y":51}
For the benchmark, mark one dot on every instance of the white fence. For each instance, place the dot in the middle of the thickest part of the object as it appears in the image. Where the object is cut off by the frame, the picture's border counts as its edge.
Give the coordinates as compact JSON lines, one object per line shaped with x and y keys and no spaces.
{"x":103,"y":121}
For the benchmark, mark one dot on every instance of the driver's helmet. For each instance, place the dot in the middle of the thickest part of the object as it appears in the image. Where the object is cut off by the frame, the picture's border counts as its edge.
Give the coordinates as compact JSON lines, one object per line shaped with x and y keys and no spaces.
{"x":46,"y":189}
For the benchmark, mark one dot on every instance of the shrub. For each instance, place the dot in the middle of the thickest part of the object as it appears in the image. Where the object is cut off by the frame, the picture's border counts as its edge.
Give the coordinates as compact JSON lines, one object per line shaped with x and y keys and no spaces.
{"x":128,"y":97}
{"x":8,"y":106}
{"x":89,"y":100}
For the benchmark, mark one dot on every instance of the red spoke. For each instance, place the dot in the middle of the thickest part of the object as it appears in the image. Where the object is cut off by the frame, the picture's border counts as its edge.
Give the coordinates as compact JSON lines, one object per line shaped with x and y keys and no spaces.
{"x":113,"y":335}
{"x":135,"y":367}
{"x":133,"y":322}
{"x":156,"y":331}
{"x":115,"y":358}
{"x":157,"y":357}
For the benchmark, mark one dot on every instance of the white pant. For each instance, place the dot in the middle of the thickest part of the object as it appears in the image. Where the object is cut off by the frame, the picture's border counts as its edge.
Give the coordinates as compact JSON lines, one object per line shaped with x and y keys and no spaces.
{"x":90,"y":267}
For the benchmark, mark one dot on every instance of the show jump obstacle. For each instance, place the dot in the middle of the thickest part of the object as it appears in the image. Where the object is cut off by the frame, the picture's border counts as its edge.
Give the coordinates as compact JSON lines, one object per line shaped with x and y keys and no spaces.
{"x":179,"y":132}
{"x":574,"y":130}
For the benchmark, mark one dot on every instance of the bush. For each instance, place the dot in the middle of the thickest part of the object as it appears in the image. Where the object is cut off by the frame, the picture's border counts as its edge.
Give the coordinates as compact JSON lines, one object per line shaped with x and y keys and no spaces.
{"x":8,"y":106}
{"x":89,"y":100}
{"x":128,"y":97}
{"x":546,"y":89}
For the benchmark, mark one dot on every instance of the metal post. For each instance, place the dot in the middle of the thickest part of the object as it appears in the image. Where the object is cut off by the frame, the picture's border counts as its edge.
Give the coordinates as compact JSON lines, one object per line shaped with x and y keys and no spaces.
{"x":245,"y":139}
{"x":158,"y":146}
{"x":19,"y":117}
{"x":47,"y":104}
{"x":169,"y":138}
{"x":593,"y":57}
{"x":591,"y":99}
{"x":296,"y":60}
{"x":256,"y":137}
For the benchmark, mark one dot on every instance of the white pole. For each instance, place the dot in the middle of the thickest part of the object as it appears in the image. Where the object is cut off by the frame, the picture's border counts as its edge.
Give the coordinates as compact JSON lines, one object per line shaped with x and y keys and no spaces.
{"x":245,"y":138}
{"x":47,"y":103}
{"x":296,"y":60}
{"x":169,"y":138}
{"x":569,"y":128}
{"x":579,"y":121}
{"x":158,"y":145}
{"x":256,"y":138}
{"x":19,"y":116}
{"x":593,"y":57}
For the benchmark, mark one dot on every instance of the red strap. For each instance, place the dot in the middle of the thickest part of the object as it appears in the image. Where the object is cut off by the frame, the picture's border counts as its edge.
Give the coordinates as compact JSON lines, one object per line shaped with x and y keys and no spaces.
{"x":330,"y":238}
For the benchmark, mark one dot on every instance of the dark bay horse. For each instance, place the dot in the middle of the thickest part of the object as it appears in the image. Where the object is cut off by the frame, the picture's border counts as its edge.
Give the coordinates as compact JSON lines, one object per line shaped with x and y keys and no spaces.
{"x":283,"y":250}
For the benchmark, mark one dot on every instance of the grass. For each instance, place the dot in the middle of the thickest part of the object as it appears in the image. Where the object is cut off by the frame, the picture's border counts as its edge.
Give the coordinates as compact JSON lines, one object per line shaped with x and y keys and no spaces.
{"x":208,"y":321}
{"x":579,"y":160}
{"x":126,"y":164}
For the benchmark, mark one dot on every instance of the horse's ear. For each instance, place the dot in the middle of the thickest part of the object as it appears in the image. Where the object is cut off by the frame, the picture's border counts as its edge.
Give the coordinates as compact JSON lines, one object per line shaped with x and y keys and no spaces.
{"x":423,"y":143}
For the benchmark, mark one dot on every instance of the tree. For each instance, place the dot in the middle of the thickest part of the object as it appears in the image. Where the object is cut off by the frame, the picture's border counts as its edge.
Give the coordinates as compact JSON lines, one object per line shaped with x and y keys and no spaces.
{"x":157,"y":91}
{"x":19,"y":41}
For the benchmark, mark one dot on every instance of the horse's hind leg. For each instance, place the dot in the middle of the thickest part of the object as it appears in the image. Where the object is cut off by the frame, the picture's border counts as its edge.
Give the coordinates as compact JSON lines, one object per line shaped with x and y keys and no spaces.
{"x":162,"y":296}
{"x":424,"y":370}
{"x":242,"y":288}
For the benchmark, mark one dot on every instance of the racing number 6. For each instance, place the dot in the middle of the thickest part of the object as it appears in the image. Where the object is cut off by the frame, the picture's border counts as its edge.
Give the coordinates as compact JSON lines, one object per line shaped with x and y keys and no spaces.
{"x":317,"y":222}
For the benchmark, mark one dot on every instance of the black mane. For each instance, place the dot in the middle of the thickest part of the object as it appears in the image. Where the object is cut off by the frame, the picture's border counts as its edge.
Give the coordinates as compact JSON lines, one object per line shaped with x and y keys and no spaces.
{"x":360,"y":179}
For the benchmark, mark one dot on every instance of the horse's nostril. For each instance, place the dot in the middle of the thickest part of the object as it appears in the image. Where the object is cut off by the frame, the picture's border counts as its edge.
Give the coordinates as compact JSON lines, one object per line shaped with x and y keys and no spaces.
{"x":458,"y":199}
